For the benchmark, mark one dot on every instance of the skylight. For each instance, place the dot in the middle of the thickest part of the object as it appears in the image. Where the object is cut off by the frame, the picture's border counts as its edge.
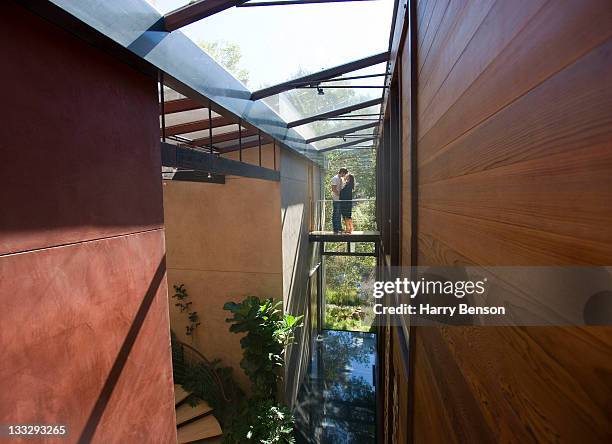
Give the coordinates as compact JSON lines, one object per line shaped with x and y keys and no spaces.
{"x":265,"y":46}
{"x":278,"y":43}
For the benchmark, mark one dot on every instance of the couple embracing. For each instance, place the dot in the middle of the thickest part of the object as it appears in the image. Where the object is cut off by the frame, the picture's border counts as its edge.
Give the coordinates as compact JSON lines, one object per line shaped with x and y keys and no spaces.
{"x":342,"y":185}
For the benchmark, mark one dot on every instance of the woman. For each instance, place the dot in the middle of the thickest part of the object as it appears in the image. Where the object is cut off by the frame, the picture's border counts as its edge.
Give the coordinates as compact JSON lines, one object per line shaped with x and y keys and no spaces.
{"x":346,"y":202}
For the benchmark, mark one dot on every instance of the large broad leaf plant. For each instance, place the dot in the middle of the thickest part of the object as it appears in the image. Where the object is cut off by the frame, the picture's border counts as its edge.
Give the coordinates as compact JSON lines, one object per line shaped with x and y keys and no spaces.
{"x":267,"y":333}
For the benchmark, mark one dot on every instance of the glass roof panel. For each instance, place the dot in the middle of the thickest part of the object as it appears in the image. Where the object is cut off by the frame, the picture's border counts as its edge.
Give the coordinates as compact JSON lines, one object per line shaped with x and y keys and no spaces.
{"x":165,"y":6}
{"x":278,"y":43}
{"x":355,"y":118}
{"x":332,"y":95}
{"x":337,"y":140}
{"x":264,"y":46}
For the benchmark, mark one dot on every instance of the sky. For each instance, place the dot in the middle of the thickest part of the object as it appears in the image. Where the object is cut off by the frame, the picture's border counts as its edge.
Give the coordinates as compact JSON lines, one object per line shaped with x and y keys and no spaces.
{"x":278,"y":41}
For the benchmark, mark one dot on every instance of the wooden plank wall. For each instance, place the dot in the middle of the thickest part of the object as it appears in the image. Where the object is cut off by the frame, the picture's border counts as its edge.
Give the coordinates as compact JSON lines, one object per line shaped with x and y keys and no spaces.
{"x":514,"y":152}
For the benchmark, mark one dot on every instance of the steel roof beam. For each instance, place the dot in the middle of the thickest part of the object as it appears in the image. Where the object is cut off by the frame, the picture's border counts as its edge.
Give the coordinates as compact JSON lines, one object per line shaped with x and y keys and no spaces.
{"x":321,"y":75}
{"x":201,"y":9}
{"x":295,"y":2}
{"x":337,"y":112}
{"x":245,"y":145}
{"x":185,"y":158}
{"x":344,"y":131}
{"x":199,"y":125}
{"x":198,"y":10}
{"x":347,"y":144}
{"x":144,"y":45}
{"x":225,"y":137}
{"x":180,"y":105}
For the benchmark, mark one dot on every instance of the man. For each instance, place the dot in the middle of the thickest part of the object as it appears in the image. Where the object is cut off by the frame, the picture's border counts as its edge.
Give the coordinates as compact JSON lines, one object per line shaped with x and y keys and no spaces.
{"x":337,"y":183}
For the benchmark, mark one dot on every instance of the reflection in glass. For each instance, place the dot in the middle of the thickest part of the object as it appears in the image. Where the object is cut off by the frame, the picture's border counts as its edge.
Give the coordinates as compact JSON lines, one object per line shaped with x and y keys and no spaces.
{"x":336,"y":405}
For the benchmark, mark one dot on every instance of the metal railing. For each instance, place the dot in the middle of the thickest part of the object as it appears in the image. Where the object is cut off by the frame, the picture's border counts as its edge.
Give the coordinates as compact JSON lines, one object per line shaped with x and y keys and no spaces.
{"x":362,"y":211}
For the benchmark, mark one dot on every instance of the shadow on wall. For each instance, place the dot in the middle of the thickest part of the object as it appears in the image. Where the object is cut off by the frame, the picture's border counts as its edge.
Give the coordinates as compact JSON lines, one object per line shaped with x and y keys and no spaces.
{"x":298,"y":256}
{"x":297,"y":303}
{"x":83,"y":160}
{"x":81,"y":176}
{"x":224,"y":243}
{"x":122,"y":357}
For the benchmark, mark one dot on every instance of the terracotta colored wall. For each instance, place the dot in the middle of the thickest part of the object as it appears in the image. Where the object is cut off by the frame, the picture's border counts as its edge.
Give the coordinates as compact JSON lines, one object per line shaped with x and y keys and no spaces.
{"x":224,"y":243}
{"x":515,"y":168}
{"x":84,"y":338}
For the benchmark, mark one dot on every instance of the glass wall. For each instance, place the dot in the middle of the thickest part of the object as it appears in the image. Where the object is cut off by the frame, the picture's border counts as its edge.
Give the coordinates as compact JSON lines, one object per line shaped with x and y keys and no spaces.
{"x":347,"y":292}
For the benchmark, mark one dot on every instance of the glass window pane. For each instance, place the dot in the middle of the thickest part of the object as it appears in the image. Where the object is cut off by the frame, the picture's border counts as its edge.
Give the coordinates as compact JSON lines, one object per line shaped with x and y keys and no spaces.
{"x":348,"y":293}
{"x":278,"y":43}
{"x":165,"y":6}
{"x":264,"y":46}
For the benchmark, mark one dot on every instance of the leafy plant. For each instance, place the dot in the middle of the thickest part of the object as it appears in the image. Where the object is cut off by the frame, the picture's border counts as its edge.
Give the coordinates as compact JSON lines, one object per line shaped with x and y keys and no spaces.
{"x":348,"y":293}
{"x":184,"y":305}
{"x":263,"y":422}
{"x":349,"y":318}
{"x":206,"y":380}
{"x":268,"y":333}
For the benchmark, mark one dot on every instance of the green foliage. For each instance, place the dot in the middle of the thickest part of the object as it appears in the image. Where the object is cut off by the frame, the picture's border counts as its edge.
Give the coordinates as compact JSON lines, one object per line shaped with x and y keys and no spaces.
{"x":307,"y":102}
{"x":206,"y":380}
{"x":361,"y":164}
{"x":345,"y":295}
{"x":184,"y":305}
{"x":350,"y":271}
{"x":268,"y":333}
{"x":210,"y":382}
{"x":348,"y":292}
{"x":227,"y":55}
{"x":349,"y":318}
{"x":261,"y":421}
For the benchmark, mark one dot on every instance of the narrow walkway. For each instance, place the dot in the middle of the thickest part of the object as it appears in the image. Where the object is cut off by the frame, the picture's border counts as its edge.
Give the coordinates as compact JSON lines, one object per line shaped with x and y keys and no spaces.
{"x":336,"y":404}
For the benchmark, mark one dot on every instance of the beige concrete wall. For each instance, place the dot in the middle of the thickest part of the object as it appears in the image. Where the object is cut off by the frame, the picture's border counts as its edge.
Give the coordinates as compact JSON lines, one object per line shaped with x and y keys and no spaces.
{"x":247,"y":237}
{"x":224,"y":243}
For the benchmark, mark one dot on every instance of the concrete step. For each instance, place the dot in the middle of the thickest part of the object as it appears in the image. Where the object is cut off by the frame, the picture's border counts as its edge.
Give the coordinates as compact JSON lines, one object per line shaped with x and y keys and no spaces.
{"x":202,"y":428}
{"x":217,"y":440}
{"x":179,"y":394}
{"x":185,"y":412}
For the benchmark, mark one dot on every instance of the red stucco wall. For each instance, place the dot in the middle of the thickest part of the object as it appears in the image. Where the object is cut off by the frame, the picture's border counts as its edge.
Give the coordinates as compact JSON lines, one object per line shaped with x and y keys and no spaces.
{"x":84,"y":334}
